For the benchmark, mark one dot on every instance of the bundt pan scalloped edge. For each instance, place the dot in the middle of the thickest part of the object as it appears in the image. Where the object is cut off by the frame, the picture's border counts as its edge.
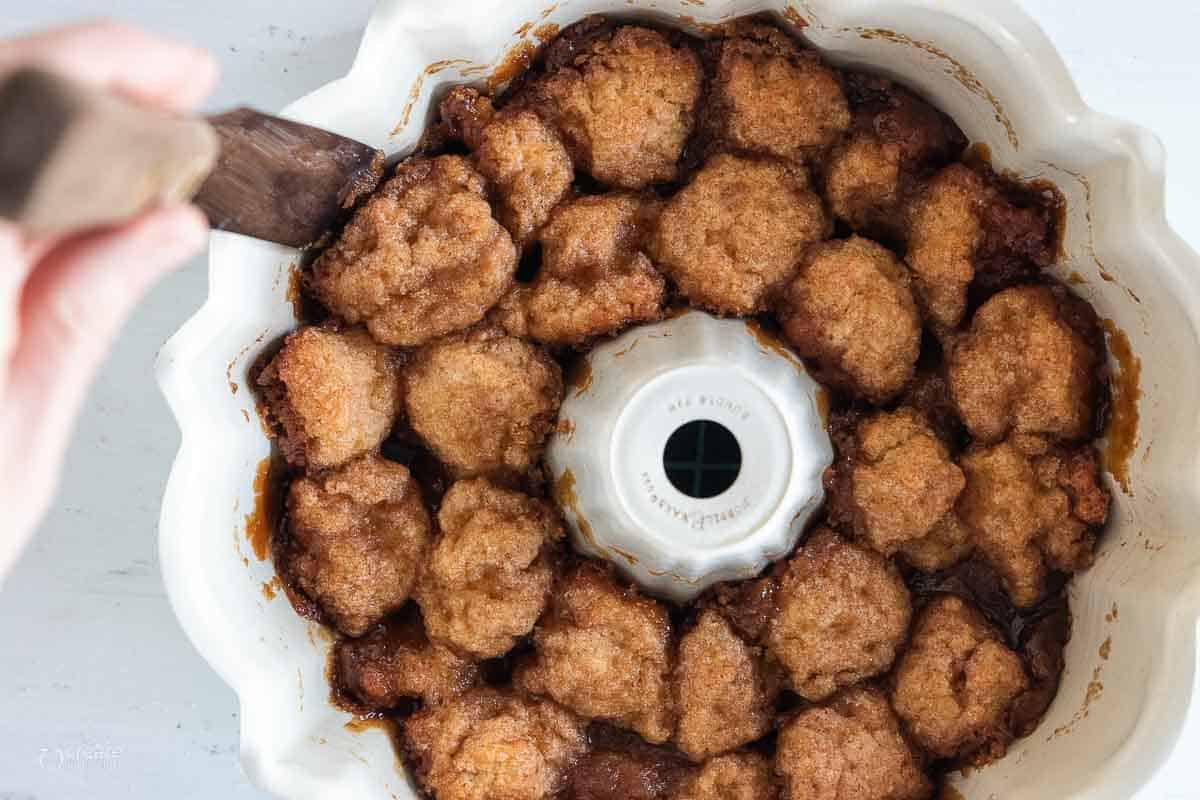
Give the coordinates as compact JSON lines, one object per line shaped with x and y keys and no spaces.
{"x":1128,"y":684}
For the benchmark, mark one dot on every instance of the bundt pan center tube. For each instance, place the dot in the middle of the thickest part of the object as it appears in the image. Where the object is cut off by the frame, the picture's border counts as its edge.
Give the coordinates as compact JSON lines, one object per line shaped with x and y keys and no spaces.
{"x":691,"y":454}
{"x":1130,"y":664}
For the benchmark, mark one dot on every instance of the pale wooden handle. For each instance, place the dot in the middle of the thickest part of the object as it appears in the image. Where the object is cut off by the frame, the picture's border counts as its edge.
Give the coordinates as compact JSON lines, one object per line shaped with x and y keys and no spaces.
{"x":72,"y":157}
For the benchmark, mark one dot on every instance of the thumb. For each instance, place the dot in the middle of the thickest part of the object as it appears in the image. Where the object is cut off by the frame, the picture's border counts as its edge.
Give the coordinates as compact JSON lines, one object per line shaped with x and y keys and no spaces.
{"x":70,"y":309}
{"x":72,"y":306}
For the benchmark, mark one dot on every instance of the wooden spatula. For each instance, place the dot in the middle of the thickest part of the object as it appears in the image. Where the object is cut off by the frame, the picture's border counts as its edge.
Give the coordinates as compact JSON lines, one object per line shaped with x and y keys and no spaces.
{"x":72,"y":157}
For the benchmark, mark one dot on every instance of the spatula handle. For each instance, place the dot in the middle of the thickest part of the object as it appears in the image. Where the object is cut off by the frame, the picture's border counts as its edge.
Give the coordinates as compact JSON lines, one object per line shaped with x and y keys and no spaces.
{"x":72,"y":157}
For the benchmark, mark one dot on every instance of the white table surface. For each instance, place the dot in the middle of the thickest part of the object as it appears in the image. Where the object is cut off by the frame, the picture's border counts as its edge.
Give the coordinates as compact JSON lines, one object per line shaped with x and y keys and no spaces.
{"x":101,"y":696}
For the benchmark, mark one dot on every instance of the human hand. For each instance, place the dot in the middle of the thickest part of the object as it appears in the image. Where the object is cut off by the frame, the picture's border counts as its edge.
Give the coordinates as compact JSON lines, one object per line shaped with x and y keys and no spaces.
{"x":64,"y":299}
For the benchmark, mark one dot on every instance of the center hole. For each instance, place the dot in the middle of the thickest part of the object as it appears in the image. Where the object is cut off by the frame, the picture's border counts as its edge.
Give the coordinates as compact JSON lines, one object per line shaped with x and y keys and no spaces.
{"x":702,"y":458}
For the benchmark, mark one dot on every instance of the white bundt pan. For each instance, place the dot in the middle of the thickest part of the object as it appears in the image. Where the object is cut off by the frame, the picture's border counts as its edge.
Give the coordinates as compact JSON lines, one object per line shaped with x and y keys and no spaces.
{"x":1131,"y":660}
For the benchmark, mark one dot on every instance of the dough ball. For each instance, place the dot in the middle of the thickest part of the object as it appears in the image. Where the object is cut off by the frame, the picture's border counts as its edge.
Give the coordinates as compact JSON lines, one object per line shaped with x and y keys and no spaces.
{"x":396,"y":661}
{"x":736,"y":776}
{"x":737,"y":232}
{"x":850,"y":309}
{"x":491,"y":745}
{"x":770,"y":96}
{"x":724,"y":690}
{"x":333,"y":396}
{"x":595,"y":278}
{"x":421,"y":258}
{"x":1032,"y":508}
{"x":904,"y":487}
{"x":605,"y":652}
{"x":625,"y":104}
{"x":843,"y":612}
{"x":956,"y":682}
{"x":1027,"y":364}
{"x":521,"y":156}
{"x":483,"y":402}
{"x":358,"y":536}
{"x":895,"y":138}
{"x":942,"y":239}
{"x":851,"y":748}
{"x":489,"y":575}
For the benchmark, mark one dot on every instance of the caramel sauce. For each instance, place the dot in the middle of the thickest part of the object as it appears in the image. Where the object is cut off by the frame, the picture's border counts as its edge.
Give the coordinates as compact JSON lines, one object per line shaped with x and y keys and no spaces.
{"x":268,"y":507}
{"x":580,"y":376}
{"x":271,"y":587}
{"x":264,"y":419}
{"x":1122,"y":432}
{"x":545,"y":32}
{"x":564,"y":495}
{"x":950,"y":793}
{"x":625,"y":554}
{"x":1093,"y":692}
{"x":627,"y":350}
{"x":768,"y":342}
{"x":978,"y":153}
{"x":564,"y":490}
{"x":1060,"y":222}
{"x":704,"y":28}
{"x":793,"y":17}
{"x":824,"y":402}
{"x":956,"y":69}
{"x":771,"y":343}
{"x":515,"y":62}
{"x":237,"y":544}
{"x":565,"y":428}
{"x":294,"y":294}
{"x":414,"y":93}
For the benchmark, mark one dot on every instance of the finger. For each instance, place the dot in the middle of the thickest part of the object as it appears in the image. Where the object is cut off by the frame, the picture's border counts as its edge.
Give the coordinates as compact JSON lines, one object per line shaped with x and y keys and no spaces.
{"x":150,"y":69}
{"x":18,"y":254}
{"x":13,"y":264}
{"x":72,"y":307}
